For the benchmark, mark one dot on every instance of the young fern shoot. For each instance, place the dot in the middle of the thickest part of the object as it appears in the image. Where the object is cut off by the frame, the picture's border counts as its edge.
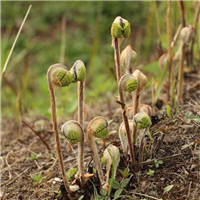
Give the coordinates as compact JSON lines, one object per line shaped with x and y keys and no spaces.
{"x":79,"y":73}
{"x":127,"y":83}
{"x":147,"y":109}
{"x":121,"y":29}
{"x":142,"y":80}
{"x":58,"y":76}
{"x":73,"y":131}
{"x":186,"y":34}
{"x":111,"y":158}
{"x":142,"y":121}
{"x":128,"y":58}
{"x":123,"y":136}
{"x":97,"y":127}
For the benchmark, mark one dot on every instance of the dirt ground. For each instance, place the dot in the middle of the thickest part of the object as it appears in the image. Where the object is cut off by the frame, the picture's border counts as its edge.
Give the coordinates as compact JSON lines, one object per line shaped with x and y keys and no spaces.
{"x":179,"y":151}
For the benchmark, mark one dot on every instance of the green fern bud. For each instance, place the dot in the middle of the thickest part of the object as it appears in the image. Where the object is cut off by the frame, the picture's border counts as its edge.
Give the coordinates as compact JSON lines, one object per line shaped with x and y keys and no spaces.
{"x":128,"y":83}
{"x":128,"y":57}
{"x":60,"y":75}
{"x":142,"y":120}
{"x":120,"y":28}
{"x":142,"y":79}
{"x":73,"y":131}
{"x":99,"y":127}
{"x":78,"y":71}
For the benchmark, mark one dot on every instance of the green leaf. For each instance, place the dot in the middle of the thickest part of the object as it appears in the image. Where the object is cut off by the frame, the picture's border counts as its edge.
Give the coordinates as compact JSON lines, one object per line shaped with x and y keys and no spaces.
{"x":160,"y":162}
{"x":124,"y":173}
{"x":116,"y":184}
{"x":32,"y":157}
{"x":125,"y":182}
{"x":168,"y":111}
{"x":151,"y":172}
{"x":103,"y":192}
{"x":100,"y":197}
{"x":110,"y":121}
{"x":81,"y":197}
{"x":117,"y":193}
{"x":156,"y":165}
{"x":34,"y":178}
{"x":188,"y":114}
{"x":121,"y":172}
{"x":187,"y":117}
{"x":195,"y":118}
{"x":71,"y":172}
{"x":39,"y":175}
{"x":168,"y":188}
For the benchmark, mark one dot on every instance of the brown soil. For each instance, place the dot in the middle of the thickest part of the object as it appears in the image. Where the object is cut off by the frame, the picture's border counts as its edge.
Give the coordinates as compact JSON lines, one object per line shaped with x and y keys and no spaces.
{"x":179,"y":152}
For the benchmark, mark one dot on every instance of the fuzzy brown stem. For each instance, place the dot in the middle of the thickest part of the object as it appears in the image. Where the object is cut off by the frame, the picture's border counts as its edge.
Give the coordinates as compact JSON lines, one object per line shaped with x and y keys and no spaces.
{"x":126,"y":123}
{"x":183,"y":13}
{"x":180,"y":75}
{"x":117,"y":59}
{"x":153,"y":98}
{"x":176,"y":36}
{"x":55,"y":128}
{"x":95,"y":156}
{"x":41,"y":138}
{"x":81,"y":121}
{"x":121,"y":98}
{"x":81,"y":103}
{"x":142,"y":145}
{"x":136,"y":105}
{"x":104,"y":143}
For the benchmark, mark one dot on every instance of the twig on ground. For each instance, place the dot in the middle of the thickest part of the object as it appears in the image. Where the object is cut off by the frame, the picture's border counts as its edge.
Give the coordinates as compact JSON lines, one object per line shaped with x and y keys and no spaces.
{"x":9,"y":182}
{"x":145,"y":195}
{"x":9,"y":167}
{"x":41,"y":138}
{"x":177,"y":175}
{"x":152,"y":161}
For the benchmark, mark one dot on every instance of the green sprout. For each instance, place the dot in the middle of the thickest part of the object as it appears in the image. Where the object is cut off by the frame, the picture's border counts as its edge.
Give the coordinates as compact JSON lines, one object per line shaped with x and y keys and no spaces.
{"x":37,"y":179}
{"x":151,"y":172}
{"x":157,"y":163}
{"x":33,"y":157}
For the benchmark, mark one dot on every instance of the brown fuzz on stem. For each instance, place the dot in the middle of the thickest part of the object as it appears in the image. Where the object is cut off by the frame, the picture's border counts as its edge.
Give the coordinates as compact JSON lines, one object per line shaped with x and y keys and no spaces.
{"x":98,"y":127}
{"x":79,"y":74}
{"x":110,"y":152}
{"x":73,"y":131}
{"x":187,"y":34}
{"x":56,"y":77}
{"x":121,"y":29}
{"x":128,"y":59}
{"x":142,"y":80}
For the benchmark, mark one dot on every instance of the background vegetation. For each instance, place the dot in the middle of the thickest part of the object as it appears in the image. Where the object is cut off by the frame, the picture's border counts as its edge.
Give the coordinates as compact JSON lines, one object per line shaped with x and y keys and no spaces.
{"x":87,"y":38}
